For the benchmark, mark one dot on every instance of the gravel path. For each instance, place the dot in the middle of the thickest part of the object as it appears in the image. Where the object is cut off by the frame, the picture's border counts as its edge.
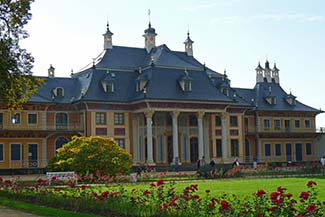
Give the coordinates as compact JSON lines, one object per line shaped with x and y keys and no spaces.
{"x":7,"y":212}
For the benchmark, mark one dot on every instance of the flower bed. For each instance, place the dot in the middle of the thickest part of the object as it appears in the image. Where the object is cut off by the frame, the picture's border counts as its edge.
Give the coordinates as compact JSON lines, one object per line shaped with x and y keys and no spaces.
{"x":161,"y":199}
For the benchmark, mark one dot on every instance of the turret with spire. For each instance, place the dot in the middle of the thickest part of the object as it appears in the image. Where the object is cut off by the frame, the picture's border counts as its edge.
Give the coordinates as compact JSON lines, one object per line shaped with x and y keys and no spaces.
{"x":149,"y":36}
{"x":188,"y":45}
{"x":259,"y":73}
{"x":108,"y":44}
{"x":275,"y":74}
{"x":267,"y":72}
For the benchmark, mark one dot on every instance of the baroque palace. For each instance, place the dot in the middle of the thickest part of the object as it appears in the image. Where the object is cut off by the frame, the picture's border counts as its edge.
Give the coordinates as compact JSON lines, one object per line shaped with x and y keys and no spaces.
{"x":160,"y":104}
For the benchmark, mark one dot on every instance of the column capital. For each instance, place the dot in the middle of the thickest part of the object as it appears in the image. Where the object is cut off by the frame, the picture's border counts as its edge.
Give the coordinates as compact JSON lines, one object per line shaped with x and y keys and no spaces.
{"x":149,"y":113}
{"x":223,"y":115}
{"x":175,"y":113}
{"x":200,"y":114}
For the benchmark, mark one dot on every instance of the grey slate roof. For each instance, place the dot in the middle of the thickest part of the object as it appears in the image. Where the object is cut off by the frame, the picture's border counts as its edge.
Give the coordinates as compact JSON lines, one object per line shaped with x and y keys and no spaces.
{"x":162,"y":68}
{"x":262,"y":89}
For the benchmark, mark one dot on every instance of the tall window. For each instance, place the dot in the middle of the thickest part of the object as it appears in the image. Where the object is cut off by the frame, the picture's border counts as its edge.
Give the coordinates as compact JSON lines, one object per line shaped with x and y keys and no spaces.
{"x":1,"y":119}
{"x":120,"y":142}
{"x":287,"y":124}
{"x":267,"y":150}
{"x":15,"y":119}
{"x":266,"y":124}
{"x":234,"y":147}
{"x":307,"y":123}
{"x":1,"y":152}
{"x":277,"y":124}
{"x":15,"y":152}
{"x":278,"y":149}
{"x":218,"y":121}
{"x":219,"y":147}
{"x":187,"y":86}
{"x":119,"y":118}
{"x":308,"y":148}
{"x":297,"y":123}
{"x":100,"y":118}
{"x":233,"y":121}
{"x":193,"y":120}
{"x":61,"y":121}
{"x":60,"y":142}
{"x":32,"y":118}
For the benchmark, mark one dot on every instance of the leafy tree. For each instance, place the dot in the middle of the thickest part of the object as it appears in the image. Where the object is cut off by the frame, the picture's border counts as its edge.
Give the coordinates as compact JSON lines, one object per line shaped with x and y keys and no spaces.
{"x":89,"y":154}
{"x":16,"y":81}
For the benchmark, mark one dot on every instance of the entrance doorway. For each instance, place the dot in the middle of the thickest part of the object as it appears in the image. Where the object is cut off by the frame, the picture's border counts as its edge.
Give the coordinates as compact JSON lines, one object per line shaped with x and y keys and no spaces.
{"x":194,"y":149}
{"x":32,"y":156}
{"x":247,"y":151}
{"x":298,"y":152}
{"x":170,"y":151}
{"x":288,"y":152}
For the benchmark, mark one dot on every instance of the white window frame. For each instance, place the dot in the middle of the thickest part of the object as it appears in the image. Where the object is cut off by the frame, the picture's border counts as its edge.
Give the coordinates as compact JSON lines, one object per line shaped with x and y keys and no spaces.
{"x":12,"y":115}
{"x":309,"y":123}
{"x":275,"y":128}
{"x":105,"y":118}
{"x":264,"y":127}
{"x":67,"y":118}
{"x":21,"y":152}
{"x":32,"y":113}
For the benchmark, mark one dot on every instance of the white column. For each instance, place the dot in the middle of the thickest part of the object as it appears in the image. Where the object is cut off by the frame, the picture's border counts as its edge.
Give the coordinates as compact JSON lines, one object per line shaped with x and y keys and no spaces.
{"x":175,"y":135}
{"x":135,"y":138}
{"x":149,"y":159}
{"x":206,"y":140}
{"x":44,"y":153}
{"x":44,"y":121}
{"x":224,"y":135}
{"x":200,"y":131}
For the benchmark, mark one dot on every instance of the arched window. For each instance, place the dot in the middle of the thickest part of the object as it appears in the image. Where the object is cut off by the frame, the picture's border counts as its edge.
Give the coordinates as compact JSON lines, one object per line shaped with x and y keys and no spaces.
{"x":61,"y":121}
{"x":59,"y":92}
{"x":60,"y":141}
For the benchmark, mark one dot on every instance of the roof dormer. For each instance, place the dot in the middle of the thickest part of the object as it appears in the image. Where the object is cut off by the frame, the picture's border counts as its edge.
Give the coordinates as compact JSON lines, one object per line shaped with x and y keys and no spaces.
{"x":57,"y":92}
{"x":108,"y":82}
{"x":185,"y":82}
{"x":290,"y":99}
{"x":269,"y":97}
{"x":141,"y":83}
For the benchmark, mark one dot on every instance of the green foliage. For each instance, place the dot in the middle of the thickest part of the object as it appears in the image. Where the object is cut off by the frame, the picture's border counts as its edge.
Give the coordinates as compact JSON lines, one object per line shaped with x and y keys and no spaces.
{"x":89,"y":154}
{"x":16,"y":80}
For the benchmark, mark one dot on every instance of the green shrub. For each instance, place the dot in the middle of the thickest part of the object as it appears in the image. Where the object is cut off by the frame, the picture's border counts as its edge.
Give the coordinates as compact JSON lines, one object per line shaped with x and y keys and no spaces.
{"x":89,"y":154}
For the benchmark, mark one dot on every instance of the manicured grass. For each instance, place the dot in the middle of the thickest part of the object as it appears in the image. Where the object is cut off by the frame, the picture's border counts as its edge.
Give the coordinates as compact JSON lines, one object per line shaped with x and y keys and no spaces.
{"x":40,"y":210}
{"x":244,"y":187}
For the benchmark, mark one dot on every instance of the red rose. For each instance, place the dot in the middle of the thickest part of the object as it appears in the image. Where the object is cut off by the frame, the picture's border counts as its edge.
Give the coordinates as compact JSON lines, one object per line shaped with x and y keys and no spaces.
{"x":224,"y":205}
{"x":146,"y":192}
{"x":260,"y":193}
{"x":160,"y":182}
{"x":311,"y":208}
{"x":304,"y":195}
{"x":311,"y":183}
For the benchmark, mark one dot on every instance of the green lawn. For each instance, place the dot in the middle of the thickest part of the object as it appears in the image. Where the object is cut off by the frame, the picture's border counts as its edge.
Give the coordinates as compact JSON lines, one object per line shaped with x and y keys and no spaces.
{"x":243,"y":187}
{"x":240,"y":187}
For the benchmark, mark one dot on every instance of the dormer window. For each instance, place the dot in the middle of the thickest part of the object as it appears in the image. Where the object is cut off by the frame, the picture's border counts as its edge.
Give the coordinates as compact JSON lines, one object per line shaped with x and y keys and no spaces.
{"x":185,"y":82}
{"x":141,"y":85}
{"x":186,"y":85}
{"x":58,"y":92}
{"x":270,"y":100}
{"x":108,"y":86}
{"x":108,"y":82}
{"x":225,"y":91}
{"x":290,"y":99}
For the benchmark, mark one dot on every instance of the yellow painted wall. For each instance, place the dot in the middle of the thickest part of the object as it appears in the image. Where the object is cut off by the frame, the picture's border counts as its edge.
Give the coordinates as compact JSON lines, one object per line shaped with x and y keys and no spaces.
{"x":7,"y":163}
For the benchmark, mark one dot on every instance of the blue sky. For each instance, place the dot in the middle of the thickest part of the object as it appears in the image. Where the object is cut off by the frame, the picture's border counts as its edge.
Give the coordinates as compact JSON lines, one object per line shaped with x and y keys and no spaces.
{"x":227,"y":34}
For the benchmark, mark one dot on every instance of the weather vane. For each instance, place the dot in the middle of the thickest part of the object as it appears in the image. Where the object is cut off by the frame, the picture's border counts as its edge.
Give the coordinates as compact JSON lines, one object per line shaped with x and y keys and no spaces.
{"x":149,"y":15}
